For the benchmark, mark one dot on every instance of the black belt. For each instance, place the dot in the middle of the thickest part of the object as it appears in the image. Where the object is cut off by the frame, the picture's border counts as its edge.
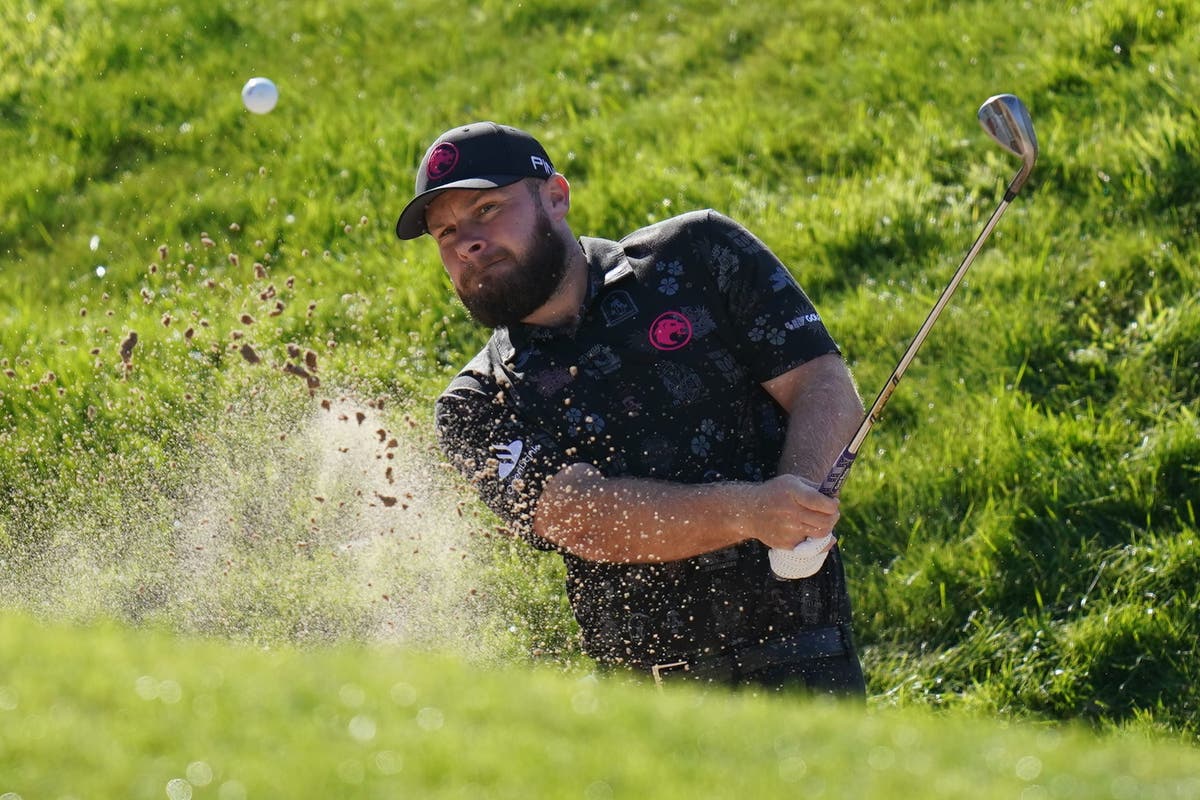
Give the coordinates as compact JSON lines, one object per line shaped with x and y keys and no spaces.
{"x":823,"y":642}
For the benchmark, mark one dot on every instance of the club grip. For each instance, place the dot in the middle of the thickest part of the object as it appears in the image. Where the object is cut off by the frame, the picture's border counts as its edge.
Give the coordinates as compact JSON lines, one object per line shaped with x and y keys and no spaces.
{"x":837,"y":476}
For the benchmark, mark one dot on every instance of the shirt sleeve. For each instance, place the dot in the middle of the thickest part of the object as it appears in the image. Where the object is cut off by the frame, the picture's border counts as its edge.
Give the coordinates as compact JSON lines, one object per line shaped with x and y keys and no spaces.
{"x":507,"y":459}
{"x":771,"y":324}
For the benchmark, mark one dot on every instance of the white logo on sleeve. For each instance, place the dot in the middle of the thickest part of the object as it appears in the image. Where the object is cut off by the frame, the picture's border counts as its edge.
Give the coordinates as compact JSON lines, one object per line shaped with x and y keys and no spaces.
{"x":509,"y":455}
{"x":801,"y":321}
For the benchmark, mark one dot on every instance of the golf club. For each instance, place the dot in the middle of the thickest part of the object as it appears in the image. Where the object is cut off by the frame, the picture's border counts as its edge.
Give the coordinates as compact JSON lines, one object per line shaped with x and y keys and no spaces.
{"x":1007,"y":121}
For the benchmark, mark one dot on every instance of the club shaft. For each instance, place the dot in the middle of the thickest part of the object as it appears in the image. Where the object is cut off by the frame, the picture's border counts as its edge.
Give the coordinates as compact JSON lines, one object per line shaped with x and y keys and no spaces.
{"x":841,"y":469}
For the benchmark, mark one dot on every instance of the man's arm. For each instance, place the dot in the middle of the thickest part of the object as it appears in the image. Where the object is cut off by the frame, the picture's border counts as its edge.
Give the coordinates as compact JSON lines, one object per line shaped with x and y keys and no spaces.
{"x":638,"y":520}
{"x":634,"y":520}
{"x":824,"y":410}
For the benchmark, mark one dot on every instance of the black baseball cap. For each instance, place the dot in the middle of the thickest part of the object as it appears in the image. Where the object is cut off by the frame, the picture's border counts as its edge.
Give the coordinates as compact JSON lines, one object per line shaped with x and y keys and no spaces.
{"x":482,"y":155}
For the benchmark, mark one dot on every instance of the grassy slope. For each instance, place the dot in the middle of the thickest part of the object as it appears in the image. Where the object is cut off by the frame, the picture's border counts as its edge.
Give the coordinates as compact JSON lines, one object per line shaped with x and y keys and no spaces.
{"x":1022,"y":537}
{"x":182,"y":718}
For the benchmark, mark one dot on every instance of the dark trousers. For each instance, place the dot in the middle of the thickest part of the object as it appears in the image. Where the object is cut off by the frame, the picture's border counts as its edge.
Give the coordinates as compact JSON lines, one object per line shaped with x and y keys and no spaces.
{"x":820,"y":660}
{"x":837,"y":676}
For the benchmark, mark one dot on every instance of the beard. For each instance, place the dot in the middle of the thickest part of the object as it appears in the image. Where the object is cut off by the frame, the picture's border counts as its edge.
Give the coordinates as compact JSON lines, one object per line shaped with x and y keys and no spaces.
{"x":505,"y":299}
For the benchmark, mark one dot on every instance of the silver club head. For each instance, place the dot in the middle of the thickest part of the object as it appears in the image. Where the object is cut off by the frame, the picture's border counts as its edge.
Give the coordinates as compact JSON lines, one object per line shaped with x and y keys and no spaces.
{"x":1007,"y":121}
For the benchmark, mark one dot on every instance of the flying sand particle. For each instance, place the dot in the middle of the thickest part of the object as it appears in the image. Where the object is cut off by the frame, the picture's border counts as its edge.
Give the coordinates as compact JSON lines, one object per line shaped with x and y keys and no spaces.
{"x":127,"y":347}
{"x":300,"y":372}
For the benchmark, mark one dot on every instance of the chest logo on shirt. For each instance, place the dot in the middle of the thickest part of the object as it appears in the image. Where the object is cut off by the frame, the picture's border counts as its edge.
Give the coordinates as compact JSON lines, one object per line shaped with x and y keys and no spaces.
{"x":670,"y":331}
{"x":617,"y":307}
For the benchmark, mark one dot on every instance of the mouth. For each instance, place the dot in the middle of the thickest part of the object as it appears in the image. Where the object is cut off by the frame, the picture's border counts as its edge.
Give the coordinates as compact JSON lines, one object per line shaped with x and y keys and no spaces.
{"x":476,"y":270}
{"x":494,"y":262}
{"x":481,"y":275}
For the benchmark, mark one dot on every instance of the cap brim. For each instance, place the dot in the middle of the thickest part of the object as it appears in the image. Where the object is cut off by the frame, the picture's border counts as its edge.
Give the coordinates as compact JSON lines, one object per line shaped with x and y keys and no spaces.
{"x":411,"y":223}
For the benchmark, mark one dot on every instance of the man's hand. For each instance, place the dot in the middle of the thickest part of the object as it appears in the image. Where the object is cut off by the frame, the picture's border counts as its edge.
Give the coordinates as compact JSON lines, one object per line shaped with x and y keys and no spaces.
{"x":788,"y":510}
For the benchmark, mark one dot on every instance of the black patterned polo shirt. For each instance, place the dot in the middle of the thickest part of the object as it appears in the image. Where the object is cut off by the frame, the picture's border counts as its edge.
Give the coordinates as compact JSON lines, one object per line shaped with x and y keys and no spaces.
{"x":662,"y":378}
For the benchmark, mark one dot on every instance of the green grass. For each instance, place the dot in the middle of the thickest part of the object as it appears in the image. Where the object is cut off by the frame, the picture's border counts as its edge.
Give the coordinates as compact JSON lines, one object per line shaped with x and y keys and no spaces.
{"x":195,"y":719}
{"x":1020,"y":530}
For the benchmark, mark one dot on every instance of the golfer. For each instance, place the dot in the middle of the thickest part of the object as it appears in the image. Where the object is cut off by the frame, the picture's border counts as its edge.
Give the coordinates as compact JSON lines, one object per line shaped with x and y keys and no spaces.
{"x":657,"y":410}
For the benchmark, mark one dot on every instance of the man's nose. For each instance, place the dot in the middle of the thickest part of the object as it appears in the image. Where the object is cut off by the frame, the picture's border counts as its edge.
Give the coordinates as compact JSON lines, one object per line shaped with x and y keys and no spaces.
{"x":470,"y":242}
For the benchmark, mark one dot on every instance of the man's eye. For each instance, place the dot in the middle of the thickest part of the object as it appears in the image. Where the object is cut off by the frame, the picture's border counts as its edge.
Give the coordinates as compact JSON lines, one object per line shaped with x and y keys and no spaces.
{"x":443,"y":233}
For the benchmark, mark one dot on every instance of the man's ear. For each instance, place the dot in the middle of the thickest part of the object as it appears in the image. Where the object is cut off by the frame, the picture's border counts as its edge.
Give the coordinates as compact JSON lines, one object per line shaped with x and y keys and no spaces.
{"x":556,"y":196}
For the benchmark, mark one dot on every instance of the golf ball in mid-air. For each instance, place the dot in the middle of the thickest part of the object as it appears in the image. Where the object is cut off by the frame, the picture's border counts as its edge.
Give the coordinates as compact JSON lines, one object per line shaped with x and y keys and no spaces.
{"x":260,"y":95}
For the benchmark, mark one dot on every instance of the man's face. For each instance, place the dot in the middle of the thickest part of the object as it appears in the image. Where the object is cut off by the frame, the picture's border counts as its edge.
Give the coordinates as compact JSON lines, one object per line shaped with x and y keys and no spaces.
{"x":500,"y":249}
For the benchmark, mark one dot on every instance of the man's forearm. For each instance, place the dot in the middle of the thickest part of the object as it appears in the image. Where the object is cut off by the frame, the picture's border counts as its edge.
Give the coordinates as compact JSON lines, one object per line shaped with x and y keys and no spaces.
{"x":634,"y":520}
{"x":824,"y":410}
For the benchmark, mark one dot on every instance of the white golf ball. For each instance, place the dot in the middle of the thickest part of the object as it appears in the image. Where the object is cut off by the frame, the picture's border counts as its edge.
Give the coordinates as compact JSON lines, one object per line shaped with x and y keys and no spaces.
{"x":260,"y":95}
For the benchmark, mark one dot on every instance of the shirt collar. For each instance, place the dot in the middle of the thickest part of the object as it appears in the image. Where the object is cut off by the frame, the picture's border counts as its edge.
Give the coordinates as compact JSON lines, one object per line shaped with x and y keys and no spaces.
{"x":606,"y":264}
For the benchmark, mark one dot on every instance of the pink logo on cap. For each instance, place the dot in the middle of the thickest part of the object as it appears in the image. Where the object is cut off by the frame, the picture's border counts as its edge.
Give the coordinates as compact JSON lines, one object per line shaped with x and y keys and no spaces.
{"x":670,"y":331}
{"x":442,"y":160}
